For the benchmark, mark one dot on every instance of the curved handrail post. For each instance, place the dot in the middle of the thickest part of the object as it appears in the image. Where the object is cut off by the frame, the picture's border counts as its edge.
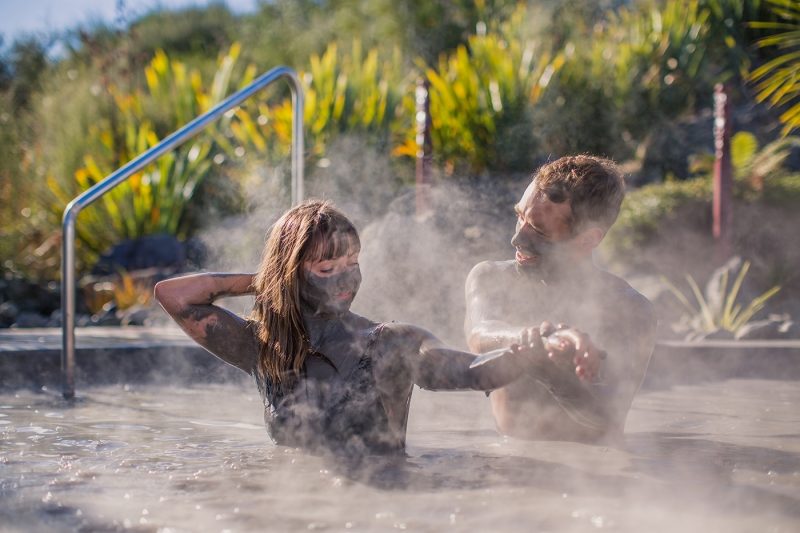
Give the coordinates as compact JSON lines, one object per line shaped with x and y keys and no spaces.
{"x":298,"y":148}
{"x":121,"y":174}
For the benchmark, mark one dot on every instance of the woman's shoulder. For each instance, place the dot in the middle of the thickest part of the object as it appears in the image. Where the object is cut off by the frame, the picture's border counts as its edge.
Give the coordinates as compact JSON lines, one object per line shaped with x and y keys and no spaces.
{"x":357,"y":322}
{"x":408,"y":335}
{"x":384,"y":333}
{"x":399,"y":327}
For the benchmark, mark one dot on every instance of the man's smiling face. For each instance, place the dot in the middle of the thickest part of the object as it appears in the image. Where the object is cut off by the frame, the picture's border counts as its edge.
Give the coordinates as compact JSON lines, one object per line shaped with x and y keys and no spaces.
{"x":544,"y":228}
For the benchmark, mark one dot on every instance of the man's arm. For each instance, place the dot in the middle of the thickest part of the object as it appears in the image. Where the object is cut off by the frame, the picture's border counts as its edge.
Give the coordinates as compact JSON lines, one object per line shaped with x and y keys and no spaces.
{"x":189,"y":300}
{"x":483,"y":331}
{"x":487,"y":330}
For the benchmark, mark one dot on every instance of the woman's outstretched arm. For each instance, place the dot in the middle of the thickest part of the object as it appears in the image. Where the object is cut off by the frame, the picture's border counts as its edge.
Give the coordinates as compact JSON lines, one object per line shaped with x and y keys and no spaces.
{"x":432,"y":365}
{"x":418,"y":354}
{"x":426,"y":361}
{"x":189,"y":300}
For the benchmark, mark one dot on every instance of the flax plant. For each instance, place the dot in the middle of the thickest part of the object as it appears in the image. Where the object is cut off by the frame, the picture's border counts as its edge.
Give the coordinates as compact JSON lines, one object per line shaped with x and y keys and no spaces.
{"x":658,"y":54}
{"x":350,"y":90}
{"x":729,"y":315}
{"x":752,"y":164}
{"x":778,"y":80}
{"x":480,"y":98}
{"x":155,"y":200}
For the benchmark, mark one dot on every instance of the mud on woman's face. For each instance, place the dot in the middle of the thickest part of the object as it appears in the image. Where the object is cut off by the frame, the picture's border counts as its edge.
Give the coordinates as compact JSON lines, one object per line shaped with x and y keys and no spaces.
{"x":330,"y":285}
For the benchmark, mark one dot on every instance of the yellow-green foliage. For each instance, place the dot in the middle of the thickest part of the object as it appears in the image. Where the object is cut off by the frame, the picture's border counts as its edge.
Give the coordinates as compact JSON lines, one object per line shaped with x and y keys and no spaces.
{"x":155,"y":199}
{"x":655,"y":53}
{"x":345,"y":91}
{"x":783,"y":190}
{"x":477,"y":91}
{"x":129,"y":292}
{"x":777,"y":81}
{"x":752,"y":165}
{"x":353,"y":91}
{"x":499,"y":102}
{"x":730,"y":315}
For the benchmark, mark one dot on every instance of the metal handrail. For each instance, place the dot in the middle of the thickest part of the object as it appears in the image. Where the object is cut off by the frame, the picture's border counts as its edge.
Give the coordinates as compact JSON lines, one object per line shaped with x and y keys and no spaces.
{"x":112,"y":180}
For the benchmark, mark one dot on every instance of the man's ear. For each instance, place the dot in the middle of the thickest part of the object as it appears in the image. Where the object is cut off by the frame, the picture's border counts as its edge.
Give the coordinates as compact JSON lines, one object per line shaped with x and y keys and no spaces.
{"x":591,"y":237}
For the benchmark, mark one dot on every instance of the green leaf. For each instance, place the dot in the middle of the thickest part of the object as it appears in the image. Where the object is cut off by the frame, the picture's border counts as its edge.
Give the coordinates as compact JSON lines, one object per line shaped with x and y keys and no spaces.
{"x":744,"y":146}
{"x":705,"y":311}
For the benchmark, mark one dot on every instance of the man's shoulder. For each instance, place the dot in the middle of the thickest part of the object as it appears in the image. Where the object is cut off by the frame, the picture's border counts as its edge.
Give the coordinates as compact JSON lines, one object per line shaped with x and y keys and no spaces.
{"x":492,"y":268}
{"x":622,"y":294}
{"x":491,"y":277}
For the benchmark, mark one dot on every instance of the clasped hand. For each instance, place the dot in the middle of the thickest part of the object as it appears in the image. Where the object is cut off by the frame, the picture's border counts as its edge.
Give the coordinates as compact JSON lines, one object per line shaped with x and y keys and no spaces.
{"x":565,"y":347}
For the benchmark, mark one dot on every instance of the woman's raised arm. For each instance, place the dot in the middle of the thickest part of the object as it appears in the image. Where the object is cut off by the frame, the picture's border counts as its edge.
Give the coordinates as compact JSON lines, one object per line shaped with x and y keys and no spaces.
{"x":189,"y":300}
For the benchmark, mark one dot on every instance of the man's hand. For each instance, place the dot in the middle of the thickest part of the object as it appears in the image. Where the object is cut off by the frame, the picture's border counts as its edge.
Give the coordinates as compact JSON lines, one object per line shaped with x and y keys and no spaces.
{"x":566,"y":347}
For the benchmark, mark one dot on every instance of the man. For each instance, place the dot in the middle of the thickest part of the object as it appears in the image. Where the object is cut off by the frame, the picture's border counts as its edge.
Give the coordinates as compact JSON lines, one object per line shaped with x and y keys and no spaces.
{"x":563,"y":215}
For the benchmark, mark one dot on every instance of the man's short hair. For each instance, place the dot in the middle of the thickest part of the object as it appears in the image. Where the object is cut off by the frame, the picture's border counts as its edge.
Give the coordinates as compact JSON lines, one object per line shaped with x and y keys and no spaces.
{"x":593,"y":185}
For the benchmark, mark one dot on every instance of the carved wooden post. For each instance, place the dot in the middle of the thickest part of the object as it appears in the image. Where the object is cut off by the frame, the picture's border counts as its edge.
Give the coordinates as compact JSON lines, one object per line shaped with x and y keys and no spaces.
{"x":424,"y":146}
{"x":723,"y":180}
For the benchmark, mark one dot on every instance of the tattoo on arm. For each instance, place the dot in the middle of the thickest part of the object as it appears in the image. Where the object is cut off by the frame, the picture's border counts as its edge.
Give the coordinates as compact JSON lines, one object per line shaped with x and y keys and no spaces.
{"x":189,"y":301}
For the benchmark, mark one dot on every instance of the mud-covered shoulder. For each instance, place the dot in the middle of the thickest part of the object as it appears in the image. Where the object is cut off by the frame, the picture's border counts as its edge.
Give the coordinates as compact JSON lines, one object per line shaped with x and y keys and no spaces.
{"x":360,"y":323}
{"x":223,"y":333}
{"x":392,"y":352}
{"x":401,"y":336}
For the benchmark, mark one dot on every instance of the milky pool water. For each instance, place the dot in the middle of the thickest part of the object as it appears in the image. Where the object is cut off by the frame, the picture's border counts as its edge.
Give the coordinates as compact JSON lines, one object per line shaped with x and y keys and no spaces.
{"x":723,"y":456}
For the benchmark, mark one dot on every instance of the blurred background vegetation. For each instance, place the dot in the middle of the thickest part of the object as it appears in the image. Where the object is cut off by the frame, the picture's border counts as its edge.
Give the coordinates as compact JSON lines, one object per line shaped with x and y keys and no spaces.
{"x":513,"y":84}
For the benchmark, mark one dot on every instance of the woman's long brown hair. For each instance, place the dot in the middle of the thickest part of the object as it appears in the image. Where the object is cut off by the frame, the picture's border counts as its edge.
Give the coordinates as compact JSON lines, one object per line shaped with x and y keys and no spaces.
{"x":312,"y":231}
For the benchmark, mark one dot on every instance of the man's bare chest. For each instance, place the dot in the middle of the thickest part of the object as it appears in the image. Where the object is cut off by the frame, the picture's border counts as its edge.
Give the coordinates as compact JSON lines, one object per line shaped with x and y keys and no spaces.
{"x":530,"y":304}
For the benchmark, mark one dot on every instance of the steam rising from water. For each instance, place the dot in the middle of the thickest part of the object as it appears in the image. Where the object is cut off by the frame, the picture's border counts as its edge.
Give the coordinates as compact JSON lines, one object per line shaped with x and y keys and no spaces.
{"x":414,"y":267}
{"x":720,"y":457}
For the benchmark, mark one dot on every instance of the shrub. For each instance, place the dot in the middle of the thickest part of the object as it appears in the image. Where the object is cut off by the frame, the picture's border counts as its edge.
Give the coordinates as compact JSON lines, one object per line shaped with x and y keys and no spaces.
{"x":759,"y":176}
{"x":645,"y":209}
{"x":156,"y":199}
{"x":481,"y":97}
{"x":720,"y":310}
{"x":633,"y":69}
{"x":578,"y":114}
{"x":345,"y":91}
{"x":659,"y":60}
{"x":777,"y":80}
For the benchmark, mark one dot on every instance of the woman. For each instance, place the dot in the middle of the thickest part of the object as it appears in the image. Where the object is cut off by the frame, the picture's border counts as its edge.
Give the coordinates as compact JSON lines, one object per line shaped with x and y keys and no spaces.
{"x":330,"y":379}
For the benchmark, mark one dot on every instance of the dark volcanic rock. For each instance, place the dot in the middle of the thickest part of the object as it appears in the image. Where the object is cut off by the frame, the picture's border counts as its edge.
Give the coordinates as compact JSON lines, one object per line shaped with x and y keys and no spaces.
{"x":28,"y":319}
{"x":8,"y":314}
{"x":160,"y":251}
